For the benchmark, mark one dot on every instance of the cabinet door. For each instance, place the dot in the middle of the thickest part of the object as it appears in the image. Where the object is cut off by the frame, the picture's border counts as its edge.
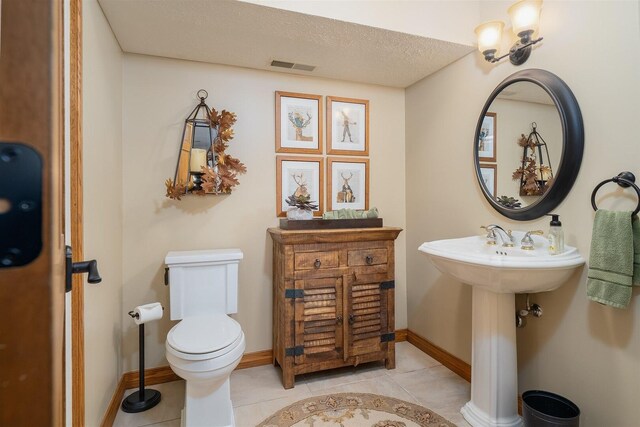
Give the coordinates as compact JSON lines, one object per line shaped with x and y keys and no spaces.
{"x":318,"y":320}
{"x":367,"y":318}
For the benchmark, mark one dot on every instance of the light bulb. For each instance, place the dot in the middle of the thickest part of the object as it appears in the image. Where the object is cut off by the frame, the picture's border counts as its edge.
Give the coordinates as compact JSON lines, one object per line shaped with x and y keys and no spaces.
{"x":525,"y":16}
{"x":489,"y":36}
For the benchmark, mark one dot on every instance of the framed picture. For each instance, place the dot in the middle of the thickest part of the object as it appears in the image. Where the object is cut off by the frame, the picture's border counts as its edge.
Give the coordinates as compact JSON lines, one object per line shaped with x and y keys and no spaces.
{"x":298,"y":123}
{"x":348,"y":183}
{"x":347,"y":126}
{"x":489,"y":177}
{"x":299,"y":176}
{"x":487,"y":139}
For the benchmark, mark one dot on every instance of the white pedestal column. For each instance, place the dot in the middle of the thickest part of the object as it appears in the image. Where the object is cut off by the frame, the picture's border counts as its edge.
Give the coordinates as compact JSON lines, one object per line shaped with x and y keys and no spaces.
{"x":208,"y":403}
{"x":494,"y":375}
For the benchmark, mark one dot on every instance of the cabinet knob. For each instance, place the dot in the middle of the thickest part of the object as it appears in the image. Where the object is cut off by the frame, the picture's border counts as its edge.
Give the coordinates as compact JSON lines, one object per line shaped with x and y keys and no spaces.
{"x":369,"y":260}
{"x":317,"y":263}
{"x":339,"y":320}
{"x":352,"y":319}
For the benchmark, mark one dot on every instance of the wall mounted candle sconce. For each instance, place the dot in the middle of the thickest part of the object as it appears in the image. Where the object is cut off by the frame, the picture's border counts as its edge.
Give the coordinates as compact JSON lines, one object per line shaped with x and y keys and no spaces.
{"x":525,"y":18}
{"x":203,"y":166}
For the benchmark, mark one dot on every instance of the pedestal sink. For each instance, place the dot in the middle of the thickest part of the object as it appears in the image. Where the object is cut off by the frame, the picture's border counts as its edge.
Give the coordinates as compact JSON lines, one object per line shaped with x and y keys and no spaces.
{"x":497,"y":273}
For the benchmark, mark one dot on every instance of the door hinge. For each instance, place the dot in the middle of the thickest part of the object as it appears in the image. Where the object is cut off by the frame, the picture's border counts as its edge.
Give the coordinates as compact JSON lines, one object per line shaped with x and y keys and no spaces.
{"x":391,"y":336}
{"x":294,"y":351}
{"x":390,"y":284}
{"x":294,"y":293}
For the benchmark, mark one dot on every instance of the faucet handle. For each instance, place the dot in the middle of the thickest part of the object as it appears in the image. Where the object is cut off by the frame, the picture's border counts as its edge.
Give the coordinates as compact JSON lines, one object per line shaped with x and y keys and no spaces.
{"x":511,"y":241}
{"x":527,"y":242}
{"x":491,"y":234}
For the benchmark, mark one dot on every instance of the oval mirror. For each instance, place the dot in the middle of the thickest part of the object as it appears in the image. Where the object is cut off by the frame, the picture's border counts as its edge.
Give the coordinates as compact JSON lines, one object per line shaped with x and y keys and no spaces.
{"x":528,"y":144}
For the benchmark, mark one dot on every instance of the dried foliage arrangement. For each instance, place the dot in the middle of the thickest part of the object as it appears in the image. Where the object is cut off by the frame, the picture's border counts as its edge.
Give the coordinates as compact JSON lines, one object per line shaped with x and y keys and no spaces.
{"x":174,"y":191}
{"x":223,"y":176}
{"x":529,"y":173}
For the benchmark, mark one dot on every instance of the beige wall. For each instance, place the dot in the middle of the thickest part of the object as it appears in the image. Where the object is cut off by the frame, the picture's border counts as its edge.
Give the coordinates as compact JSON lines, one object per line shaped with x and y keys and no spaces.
{"x":102,"y":133}
{"x":158,"y":95}
{"x":583,"y":350}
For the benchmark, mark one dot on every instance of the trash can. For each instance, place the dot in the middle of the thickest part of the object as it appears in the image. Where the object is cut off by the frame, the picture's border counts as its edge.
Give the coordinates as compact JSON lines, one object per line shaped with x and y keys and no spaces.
{"x":546,"y":409}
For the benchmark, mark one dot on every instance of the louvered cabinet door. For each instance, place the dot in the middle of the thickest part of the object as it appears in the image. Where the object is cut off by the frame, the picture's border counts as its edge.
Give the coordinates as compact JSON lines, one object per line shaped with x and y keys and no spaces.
{"x":367,"y":319}
{"x":319,"y":320}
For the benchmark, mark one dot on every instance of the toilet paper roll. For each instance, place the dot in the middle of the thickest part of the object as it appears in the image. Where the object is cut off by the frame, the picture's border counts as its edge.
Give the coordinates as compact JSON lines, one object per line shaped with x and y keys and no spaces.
{"x":147,"y":313}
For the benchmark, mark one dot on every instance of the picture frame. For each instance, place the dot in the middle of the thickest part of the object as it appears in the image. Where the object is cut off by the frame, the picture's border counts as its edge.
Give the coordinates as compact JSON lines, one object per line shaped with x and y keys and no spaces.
{"x":488,"y":138}
{"x":489,"y":173}
{"x":347,"y":191}
{"x":347,"y":118}
{"x":299,"y":173}
{"x":298,"y":123}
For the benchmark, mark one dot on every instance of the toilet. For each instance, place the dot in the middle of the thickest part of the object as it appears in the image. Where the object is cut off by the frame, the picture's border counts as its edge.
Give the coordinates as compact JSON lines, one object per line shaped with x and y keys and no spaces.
{"x":206,"y":345}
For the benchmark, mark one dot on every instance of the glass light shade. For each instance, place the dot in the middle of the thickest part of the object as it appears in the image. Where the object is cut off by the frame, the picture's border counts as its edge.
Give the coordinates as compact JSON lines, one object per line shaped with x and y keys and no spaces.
{"x":489,"y":35}
{"x":525,"y":16}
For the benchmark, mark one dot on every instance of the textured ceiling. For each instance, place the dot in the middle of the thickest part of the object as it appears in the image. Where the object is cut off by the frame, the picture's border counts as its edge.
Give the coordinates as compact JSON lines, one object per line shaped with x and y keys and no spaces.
{"x":248,"y":35}
{"x":526,"y":92}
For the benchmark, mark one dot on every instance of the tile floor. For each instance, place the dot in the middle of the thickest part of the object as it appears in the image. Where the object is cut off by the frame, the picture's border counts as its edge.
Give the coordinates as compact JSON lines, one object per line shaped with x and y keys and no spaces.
{"x":257,"y":392}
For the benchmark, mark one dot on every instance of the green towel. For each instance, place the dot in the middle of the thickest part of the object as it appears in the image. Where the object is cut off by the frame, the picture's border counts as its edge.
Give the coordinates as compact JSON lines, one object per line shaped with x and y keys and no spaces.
{"x":351,"y":214}
{"x":635,"y":224}
{"x":611,"y":259}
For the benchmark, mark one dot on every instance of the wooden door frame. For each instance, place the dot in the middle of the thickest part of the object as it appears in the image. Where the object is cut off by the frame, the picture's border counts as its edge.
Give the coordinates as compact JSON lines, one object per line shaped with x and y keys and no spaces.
{"x":77,"y":234}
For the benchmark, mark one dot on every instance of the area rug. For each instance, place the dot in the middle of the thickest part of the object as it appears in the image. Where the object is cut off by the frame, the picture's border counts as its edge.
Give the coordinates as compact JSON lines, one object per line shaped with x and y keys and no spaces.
{"x":354,"y":409}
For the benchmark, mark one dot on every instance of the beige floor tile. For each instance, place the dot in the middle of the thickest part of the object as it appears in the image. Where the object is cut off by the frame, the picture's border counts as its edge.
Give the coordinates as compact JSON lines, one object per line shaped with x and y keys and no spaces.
{"x":441,"y":391}
{"x":259,"y":384}
{"x":257,"y":393}
{"x":170,"y":423}
{"x":409,"y":358}
{"x":169,"y":408}
{"x":347,"y":375}
{"x":252,"y":415}
{"x":454,"y":415}
{"x":438,"y":389}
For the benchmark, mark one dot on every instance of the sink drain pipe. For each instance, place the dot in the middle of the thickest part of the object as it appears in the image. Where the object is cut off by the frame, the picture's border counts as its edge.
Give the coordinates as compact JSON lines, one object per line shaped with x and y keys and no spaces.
{"x":521,"y":315}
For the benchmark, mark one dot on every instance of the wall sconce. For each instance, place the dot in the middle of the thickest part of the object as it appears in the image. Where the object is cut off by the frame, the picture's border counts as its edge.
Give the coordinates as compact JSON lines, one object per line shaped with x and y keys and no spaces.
{"x":525,"y":17}
{"x":203,"y":166}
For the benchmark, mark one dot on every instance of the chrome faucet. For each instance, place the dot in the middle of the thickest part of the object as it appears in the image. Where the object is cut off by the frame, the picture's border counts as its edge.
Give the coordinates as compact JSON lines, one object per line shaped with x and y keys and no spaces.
{"x":494,"y":230}
{"x":527,"y":242}
{"x":491,"y":235}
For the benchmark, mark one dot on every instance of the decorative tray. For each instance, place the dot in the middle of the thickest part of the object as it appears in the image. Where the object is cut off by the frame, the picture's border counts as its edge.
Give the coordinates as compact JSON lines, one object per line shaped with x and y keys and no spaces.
{"x":328,"y":224}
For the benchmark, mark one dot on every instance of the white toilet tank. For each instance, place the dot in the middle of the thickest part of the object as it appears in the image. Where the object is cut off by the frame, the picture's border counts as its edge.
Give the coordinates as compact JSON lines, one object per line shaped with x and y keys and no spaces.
{"x":203,"y":282}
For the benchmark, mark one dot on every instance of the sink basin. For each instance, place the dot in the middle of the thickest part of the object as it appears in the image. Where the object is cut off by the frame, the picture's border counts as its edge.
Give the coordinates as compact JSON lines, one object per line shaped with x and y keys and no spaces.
{"x":496,"y":274}
{"x":500,"y":269}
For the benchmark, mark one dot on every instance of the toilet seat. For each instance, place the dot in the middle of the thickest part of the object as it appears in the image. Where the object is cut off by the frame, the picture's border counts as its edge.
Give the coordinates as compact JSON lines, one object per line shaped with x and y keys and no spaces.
{"x":204,"y":337}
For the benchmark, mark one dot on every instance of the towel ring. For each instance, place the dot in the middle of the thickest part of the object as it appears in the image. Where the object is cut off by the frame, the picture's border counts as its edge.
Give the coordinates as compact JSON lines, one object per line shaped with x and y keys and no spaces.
{"x":623,"y":179}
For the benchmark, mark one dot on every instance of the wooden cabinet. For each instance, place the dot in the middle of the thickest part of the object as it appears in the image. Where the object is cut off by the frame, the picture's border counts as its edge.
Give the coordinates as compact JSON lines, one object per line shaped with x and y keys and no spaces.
{"x":333,"y":298}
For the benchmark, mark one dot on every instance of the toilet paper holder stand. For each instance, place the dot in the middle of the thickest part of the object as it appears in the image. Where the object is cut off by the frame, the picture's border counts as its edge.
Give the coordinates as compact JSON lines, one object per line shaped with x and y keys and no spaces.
{"x":142,"y":399}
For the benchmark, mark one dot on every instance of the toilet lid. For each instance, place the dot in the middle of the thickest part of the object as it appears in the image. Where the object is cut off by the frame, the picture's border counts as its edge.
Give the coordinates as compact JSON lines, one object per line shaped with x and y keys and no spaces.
{"x":204,"y":334}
